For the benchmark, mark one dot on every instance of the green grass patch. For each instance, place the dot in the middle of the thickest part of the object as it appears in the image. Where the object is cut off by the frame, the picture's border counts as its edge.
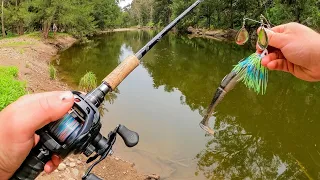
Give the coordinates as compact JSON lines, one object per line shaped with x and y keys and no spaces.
{"x":16,"y":44}
{"x":9,"y":35}
{"x":35,"y":35}
{"x":39,"y":35}
{"x":88,"y":82}
{"x":52,"y":72}
{"x":10,"y":88}
{"x":58,"y":34}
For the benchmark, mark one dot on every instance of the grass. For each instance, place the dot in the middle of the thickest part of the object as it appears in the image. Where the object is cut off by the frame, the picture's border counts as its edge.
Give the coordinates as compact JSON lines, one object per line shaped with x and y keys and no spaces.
{"x":88,"y":82}
{"x":16,"y":44}
{"x":35,"y":35}
{"x":9,"y":35}
{"x":10,"y":88}
{"x":52,"y":72}
{"x":38,"y":35}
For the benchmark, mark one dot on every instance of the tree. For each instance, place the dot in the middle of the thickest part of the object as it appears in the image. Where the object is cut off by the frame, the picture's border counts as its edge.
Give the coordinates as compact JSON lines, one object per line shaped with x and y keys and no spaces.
{"x":2,"y":19}
{"x":225,"y":14}
{"x":78,"y":17}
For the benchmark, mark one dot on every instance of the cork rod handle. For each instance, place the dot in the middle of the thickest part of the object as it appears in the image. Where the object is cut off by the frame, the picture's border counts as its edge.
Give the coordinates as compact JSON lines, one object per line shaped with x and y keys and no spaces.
{"x":122,"y":71}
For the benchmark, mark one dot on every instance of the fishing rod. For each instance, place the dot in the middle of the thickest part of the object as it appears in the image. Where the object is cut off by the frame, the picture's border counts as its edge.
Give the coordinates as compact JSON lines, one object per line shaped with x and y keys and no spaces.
{"x":79,"y":130}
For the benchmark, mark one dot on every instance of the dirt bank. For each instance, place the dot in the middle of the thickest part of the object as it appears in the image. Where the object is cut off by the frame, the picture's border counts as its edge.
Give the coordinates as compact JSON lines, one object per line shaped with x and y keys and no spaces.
{"x":112,"y":168}
{"x":219,"y":34}
{"x":138,"y":28}
{"x":32,"y":56}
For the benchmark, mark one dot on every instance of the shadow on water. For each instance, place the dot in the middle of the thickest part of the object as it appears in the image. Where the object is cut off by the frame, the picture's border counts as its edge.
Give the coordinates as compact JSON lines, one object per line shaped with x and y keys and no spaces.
{"x":275,"y":136}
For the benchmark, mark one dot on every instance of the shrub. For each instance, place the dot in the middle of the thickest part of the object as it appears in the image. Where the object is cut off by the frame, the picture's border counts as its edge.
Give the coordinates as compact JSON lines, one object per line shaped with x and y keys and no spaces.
{"x":52,"y":72}
{"x":10,"y":88}
{"x":88,"y":81}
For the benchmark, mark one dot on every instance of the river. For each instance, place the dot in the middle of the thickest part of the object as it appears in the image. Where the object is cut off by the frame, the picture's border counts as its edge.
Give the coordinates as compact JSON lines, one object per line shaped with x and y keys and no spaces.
{"x":271,"y":136}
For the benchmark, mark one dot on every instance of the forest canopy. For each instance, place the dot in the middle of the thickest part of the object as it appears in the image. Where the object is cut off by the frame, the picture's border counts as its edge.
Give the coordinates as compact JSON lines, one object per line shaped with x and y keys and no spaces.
{"x":85,"y":17}
{"x":77,"y":17}
{"x":224,"y":13}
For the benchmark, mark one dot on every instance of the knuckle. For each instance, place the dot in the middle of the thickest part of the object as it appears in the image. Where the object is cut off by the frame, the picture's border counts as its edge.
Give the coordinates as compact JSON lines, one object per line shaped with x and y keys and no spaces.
{"x":44,"y":104}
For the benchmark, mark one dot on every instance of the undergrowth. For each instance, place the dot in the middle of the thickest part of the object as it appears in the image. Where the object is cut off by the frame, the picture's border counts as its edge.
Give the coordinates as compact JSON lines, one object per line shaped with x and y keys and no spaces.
{"x":10,"y":88}
{"x":52,"y":72}
{"x":88,"y":82}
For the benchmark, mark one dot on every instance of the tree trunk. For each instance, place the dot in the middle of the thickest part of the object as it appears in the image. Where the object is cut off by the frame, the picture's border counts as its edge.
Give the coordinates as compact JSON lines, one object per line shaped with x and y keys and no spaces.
{"x":17,"y":26}
{"x":21,"y":29}
{"x":46,"y":28}
{"x":231,"y":14}
{"x":208,"y":17}
{"x":2,"y":20}
{"x":169,"y":12}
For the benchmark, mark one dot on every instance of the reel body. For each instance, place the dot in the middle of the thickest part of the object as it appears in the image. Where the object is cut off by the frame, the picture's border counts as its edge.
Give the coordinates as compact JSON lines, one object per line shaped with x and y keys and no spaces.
{"x":77,"y":132}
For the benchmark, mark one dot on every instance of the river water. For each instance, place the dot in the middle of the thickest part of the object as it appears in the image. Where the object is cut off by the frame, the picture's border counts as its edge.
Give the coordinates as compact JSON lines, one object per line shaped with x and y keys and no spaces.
{"x":272,"y":136}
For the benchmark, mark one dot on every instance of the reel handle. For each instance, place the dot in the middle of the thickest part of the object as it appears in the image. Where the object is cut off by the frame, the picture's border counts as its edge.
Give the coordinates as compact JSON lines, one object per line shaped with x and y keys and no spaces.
{"x":33,"y":165}
{"x":129,"y":137}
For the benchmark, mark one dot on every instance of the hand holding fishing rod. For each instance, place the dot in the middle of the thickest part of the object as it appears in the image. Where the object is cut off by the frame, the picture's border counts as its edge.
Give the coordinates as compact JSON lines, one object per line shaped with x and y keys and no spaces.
{"x":78,"y":131}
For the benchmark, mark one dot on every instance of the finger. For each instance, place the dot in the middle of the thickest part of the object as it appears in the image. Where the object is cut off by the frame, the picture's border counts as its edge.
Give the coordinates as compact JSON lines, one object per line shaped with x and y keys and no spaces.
{"x":49,"y":167}
{"x":38,"y":110}
{"x":56,"y":160}
{"x":278,"y":64}
{"x":36,"y":139}
{"x":53,"y":164}
{"x":272,"y":56}
{"x":276,"y":39}
{"x":280,"y":28}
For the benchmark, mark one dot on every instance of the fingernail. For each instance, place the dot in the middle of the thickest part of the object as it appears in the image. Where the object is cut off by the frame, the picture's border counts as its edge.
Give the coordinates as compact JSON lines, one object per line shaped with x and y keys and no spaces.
{"x":66,"y":96}
{"x":48,"y":168}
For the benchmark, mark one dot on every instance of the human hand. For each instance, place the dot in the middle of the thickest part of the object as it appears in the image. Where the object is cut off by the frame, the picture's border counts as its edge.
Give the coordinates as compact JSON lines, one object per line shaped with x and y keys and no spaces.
{"x":20,"y":120}
{"x":296,"y":50}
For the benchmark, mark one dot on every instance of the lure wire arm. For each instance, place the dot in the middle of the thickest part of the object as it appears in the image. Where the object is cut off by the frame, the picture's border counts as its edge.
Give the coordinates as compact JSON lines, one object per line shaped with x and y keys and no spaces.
{"x":244,"y":19}
{"x":263,"y":21}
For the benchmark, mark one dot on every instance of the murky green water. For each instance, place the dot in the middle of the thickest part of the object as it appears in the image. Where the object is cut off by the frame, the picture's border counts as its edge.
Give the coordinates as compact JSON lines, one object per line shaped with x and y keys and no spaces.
{"x":275,"y":136}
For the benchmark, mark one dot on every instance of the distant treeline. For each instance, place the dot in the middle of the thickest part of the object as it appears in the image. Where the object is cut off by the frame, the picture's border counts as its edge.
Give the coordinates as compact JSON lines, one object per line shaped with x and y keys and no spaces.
{"x":77,"y":17}
{"x":85,"y":17}
{"x":223,"y":13}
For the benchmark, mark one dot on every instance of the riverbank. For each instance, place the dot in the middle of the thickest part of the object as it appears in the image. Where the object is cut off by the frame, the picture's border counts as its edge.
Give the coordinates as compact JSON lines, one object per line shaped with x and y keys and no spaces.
{"x":218,"y":34}
{"x":136,"y":28}
{"x":32,"y":56}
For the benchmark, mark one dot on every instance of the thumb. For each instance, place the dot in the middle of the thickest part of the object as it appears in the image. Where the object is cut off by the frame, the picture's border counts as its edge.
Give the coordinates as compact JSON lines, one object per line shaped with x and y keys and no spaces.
{"x":276,"y":39}
{"x":32,"y":112}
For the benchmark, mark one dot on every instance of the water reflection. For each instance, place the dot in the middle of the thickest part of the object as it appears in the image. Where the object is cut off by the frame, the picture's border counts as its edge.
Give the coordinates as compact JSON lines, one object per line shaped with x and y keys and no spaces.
{"x":283,"y":125}
{"x":274,"y":136}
